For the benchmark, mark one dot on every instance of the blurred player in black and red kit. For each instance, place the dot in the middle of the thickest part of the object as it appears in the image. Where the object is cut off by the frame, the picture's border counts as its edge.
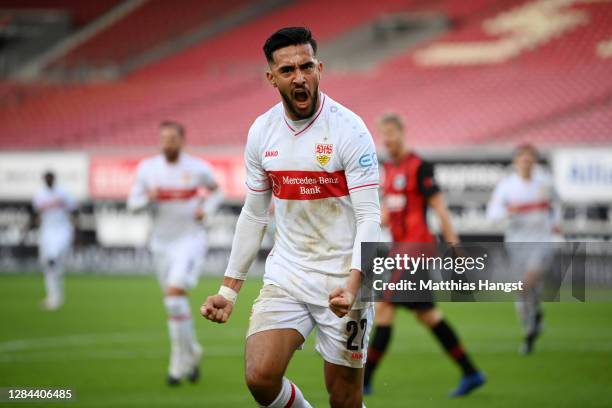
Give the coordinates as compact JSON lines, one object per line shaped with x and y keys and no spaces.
{"x":409,"y":189}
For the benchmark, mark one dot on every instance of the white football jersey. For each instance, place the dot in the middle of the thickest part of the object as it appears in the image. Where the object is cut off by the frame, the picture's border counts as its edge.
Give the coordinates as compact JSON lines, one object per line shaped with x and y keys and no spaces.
{"x":177,"y":186}
{"x":54,"y":206}
{"x":531,"y":206}
{"x":311,"y":166}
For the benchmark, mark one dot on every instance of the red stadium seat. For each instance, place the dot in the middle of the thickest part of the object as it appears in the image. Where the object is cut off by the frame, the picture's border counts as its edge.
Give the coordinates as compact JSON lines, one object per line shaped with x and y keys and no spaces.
{"x":555,"y":92}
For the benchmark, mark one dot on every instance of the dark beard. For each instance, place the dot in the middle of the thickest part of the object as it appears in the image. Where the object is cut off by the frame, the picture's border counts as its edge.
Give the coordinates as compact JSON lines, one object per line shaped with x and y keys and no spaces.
{"x":311,"y":111}
{"x":171,"y":157}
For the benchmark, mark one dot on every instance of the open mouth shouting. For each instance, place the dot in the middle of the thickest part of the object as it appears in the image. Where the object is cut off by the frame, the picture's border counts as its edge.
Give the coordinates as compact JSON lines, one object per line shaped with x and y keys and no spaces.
{"x":302,"y":99}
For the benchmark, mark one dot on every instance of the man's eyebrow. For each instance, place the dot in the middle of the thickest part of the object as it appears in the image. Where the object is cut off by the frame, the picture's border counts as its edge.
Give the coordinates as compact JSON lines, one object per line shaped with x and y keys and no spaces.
{"x":285,"y":67}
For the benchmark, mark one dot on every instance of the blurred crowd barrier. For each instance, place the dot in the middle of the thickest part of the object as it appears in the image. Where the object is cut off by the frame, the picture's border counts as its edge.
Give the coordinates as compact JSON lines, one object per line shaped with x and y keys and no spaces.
{"x":111,"y":240}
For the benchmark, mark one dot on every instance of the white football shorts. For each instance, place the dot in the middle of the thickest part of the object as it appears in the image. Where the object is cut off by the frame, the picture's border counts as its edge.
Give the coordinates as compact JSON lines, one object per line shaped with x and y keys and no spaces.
{"x":179,"y":264}
{"x":341,"y":341}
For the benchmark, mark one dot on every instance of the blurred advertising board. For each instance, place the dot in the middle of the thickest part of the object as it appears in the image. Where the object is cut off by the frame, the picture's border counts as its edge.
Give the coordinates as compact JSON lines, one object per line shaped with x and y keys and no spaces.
{"x":21,"y":173}
{"x":583,"y":175}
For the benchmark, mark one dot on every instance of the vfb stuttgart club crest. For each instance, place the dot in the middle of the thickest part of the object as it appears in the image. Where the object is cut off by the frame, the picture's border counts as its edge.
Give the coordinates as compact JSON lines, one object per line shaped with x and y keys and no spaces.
{"x":323,"y":152}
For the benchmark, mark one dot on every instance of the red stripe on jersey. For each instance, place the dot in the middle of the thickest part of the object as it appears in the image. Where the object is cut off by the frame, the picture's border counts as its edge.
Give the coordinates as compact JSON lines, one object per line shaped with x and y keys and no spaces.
{"x":364,"y":185}
{"x":291,"y":398}
{"x":308,"y":185}
{"x":528,"y":207}
{"x":168,"y":194}
{"x":53,"y":203}
{"x":257,"y":190}
{"x":311,"y":122}
{"x":288,"y":125}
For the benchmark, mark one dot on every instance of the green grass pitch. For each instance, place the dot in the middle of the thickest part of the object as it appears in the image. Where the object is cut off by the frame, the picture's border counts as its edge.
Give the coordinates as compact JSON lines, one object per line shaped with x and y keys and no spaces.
{"x":109,"y":344}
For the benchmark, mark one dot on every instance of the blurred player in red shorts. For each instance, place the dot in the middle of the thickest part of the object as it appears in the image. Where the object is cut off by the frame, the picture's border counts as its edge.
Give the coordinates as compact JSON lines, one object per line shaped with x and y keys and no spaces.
{"x":409,"y":190}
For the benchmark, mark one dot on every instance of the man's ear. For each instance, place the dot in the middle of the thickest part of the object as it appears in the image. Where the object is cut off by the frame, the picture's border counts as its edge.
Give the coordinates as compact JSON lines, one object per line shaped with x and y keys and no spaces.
{"x":270,"y":78}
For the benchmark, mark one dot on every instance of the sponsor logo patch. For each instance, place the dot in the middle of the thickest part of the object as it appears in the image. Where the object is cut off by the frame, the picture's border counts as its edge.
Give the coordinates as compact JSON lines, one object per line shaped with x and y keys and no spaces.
{"x":307,"y":185}
{"x":323,"y":153}
{"x":356,"y":355}
{"x":271,"y":153}
{"x":368,"y":160}
{"x":399,"y":182}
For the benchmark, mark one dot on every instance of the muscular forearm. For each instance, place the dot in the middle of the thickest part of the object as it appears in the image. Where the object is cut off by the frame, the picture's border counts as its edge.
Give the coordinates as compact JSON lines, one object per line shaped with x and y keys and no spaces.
{"x":234,"y":284}
{"x":448,"y":232}
{"x":354,"y":281}
{"x":439,"y":206}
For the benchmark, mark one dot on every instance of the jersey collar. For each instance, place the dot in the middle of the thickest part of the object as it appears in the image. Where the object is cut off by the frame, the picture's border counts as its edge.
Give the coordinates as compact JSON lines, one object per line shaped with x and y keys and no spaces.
{"x":300,"y":126}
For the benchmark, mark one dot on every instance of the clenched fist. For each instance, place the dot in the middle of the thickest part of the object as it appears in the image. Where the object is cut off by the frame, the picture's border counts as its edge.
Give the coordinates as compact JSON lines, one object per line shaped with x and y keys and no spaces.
{"x":341,"y":301}
{"x":217,"y":309}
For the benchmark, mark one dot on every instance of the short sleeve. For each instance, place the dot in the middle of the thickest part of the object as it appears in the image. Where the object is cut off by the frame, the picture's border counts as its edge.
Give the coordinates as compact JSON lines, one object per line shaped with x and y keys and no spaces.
{"x":426,"y":181}
{"x":358,"y":156}
{"x":256,"y":177}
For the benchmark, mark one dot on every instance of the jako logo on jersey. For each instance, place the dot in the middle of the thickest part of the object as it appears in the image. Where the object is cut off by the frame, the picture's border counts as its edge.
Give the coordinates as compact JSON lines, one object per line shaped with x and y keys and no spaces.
{"x":356,"y":355}
{"x":271,"y":153}
{"x":323,"y":153}
{"x":368,"y":160}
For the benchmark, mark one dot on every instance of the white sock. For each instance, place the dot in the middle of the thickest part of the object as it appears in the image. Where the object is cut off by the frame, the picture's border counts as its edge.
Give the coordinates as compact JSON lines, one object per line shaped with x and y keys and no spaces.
{"x":289,"y":396}
{"x":53,"y":281}
{"x":527,"y":309}
{"x":182,"y":337}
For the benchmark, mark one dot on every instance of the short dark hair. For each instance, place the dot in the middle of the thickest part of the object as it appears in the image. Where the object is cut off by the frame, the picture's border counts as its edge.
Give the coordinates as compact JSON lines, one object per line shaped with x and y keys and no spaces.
{"x":175,"y":125}
{"x":288,"y":36}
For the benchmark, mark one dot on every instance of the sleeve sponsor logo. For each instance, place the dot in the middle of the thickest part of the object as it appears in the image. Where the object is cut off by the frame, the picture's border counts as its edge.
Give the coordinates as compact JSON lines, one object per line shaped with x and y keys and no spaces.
{"x":368,"y":160}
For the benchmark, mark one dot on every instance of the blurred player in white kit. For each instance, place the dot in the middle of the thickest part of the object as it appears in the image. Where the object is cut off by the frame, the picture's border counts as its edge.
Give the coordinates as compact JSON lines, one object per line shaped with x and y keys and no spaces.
{"x":527,"y":199}
{"x":170,"y":185}
{"x":317,"y":160}
{"x":56,"y":213}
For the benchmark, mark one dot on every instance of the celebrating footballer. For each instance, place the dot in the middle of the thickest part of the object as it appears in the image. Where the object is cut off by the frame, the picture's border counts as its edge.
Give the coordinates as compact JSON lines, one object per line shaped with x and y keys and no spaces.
{"x":316,"y":160}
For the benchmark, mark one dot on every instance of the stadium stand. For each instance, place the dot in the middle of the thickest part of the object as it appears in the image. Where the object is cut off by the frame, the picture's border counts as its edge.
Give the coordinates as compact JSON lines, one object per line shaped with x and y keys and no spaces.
{"x":556,"y":89}
{"x":81,"y":12}
{"x":153,"y":22}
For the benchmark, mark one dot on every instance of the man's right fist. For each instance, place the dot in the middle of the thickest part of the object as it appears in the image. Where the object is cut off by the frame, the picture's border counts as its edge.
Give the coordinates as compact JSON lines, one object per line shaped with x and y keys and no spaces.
{"x":216,"y":308}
